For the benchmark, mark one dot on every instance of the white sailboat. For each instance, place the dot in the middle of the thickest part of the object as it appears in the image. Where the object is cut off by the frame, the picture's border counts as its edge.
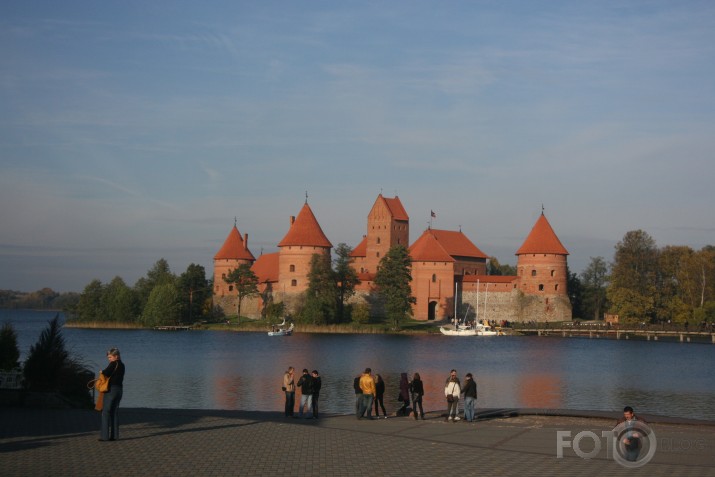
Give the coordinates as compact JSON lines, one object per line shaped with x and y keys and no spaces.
{"x":281,"y":329}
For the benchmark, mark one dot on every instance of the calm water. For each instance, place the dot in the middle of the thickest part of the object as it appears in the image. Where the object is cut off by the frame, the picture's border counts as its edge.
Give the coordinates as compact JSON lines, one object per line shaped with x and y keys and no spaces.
{"x":229,"y":370}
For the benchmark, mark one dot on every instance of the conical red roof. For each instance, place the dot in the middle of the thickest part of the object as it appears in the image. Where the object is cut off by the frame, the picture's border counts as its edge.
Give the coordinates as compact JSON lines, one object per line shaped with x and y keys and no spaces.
{"x":542,"y":239}
{"x":234,"y":248}
{"x":305,"y":231}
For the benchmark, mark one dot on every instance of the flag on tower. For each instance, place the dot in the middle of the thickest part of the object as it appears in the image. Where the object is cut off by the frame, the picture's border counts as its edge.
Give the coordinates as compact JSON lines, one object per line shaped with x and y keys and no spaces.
{"x":432,"y":214}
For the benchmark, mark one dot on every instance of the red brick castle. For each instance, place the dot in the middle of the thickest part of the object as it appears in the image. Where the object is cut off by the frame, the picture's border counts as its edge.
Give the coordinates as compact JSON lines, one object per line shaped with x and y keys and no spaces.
{"x":446,"y":266}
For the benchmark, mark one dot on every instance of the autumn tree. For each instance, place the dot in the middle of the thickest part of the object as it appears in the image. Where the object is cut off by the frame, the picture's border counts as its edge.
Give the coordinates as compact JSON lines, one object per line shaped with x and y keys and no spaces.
{"x":632,"y":288}
{"x":245,"y":283}
{"x":393,"y":278}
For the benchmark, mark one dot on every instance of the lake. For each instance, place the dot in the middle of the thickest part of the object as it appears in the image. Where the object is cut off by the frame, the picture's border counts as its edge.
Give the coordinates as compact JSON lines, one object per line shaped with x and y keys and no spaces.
{"x":235,"y":370}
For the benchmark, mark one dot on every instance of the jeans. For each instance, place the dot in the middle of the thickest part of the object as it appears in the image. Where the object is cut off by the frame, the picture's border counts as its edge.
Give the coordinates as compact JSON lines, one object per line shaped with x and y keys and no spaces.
{"x":469,"y":408}
{"x":453,"y":408}
{"x":417,"y":401}
{"x":365,"y":405}
{"x":358,"y":403}
{"x":379,"y":403}
{"x":290,"y":402}
{"x":305,"y":400}
{"x":315,"y":404}
{"x":110,"y":423}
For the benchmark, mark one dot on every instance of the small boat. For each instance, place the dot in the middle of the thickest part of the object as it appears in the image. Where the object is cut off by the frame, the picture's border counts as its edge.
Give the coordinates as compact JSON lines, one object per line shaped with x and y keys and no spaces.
{"x":459,"y":331}
{"x":281,"y":330}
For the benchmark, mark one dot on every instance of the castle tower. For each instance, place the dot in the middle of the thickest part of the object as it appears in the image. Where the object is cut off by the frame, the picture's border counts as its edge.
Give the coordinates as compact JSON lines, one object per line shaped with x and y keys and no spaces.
{"x":304,"y":239}
{"x":387,"y":225}
{"x":541,"y":272}
{"x":233,"y":253}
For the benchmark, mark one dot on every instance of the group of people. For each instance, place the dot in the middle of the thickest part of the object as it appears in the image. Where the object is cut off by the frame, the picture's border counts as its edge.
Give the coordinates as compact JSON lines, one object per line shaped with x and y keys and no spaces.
{"x":309,"y":384}
{"x":453,"y":389}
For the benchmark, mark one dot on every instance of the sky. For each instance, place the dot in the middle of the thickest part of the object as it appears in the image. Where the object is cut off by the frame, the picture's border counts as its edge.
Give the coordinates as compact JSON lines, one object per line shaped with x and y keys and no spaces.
{"x":132,"y":131}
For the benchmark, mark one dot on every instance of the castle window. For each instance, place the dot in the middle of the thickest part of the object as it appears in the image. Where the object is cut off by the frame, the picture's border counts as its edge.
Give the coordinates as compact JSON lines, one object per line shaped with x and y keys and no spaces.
{"x":292,"y":268}
{"x":377,"y":254}
{"x":294,"y":283}
{"x":230,"y":288}
{"x":223,"y":275}
{"x":547,"y":301}
{"x":378,"y":240}
{"x":515,"y":286}
{"x":533,"y":273}
{"x":553,"y":273}
{"x":434,"y":278}
{"x":556,"y":287}
{"x":398,"y":241}
{"x":541,"y":287}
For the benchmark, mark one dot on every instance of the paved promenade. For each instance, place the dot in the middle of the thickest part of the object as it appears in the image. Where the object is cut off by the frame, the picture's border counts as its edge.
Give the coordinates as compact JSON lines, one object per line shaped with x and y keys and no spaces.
{"x":215,"y":443}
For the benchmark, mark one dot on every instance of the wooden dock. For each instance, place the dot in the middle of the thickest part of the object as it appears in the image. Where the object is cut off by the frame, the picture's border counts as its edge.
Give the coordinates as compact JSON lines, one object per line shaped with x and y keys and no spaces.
{"x":173,"y":328}
{"x":621,"y":334}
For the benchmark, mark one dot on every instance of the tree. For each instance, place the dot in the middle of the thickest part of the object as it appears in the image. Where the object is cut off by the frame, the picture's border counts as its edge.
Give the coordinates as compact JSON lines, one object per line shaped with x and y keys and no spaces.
{"x":89,"y":307}
{"x":163,"y":306}
{"x":496,"y":268}
{"x":321,"y":297}
{"x":393,"y":284}
{"x":633,"y":277}
{"x":245,"y":283}
{"x":575,"y":291}
{"x":594,"y":280}
{"x":119,"y":302}
{"x":346,"y":276}
{"x":50,"y":367}
{"x":9,"y":352}
{"x":158,"y":274}
{"x":194,"y":291}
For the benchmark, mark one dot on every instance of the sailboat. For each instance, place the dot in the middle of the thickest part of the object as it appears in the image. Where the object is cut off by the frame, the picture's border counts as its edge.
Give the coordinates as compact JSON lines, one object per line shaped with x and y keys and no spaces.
{"x":479,"y":329}
{"x":281,"y":329}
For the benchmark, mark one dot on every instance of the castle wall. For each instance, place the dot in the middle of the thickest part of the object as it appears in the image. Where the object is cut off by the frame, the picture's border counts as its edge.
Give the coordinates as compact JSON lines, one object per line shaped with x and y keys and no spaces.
{"x":222,"y":267}
{"x":294,"y":266}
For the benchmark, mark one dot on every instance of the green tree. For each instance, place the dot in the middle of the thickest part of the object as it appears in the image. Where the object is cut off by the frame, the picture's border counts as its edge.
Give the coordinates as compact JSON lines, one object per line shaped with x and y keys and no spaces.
{"x":163,"y":306}
{"x":346,"y":277}
{"x":393,"y":284}
{"x":119,"y":302}
{"x":632,"y":288}
{"x":322,"y":295}
{"x":50,"y":367}
{"x":245,"y":283}
{"x":575,"y":292}
{"x":496,"y":268}
{"x":158,"y":274}
{"x":90,"y":307}
{"x":594,"y":280}
{"x":9,"y":352}
{"x":194,"y":290}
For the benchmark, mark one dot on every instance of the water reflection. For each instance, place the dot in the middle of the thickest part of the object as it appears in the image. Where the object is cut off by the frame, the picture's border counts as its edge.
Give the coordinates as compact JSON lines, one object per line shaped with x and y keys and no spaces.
{"x":228,"y":370}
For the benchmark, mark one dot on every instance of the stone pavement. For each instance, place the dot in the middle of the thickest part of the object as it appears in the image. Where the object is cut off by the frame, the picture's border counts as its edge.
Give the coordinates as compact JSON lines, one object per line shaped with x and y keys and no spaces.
{"x":217,"y":443}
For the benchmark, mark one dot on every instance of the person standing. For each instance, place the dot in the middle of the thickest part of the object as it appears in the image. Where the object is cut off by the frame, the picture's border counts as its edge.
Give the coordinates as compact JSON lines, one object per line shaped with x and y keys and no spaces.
{"x":379,"y":396}
{"x":417,"y":390}
{"x":367,"y":386}
{"x":452,"y":390}
{"x":358,"y":395}
{"x":289,"y":389}
{"x":306,"y":393}
{"x":470,"y":397}
{"x":404,"y":396}
{"x":317,"y":384}
{"x":115,"y":372}
{"x":631,"y":440}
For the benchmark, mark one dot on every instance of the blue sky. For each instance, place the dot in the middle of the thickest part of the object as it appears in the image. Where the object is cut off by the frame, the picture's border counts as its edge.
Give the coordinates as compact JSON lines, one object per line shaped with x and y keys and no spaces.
{"x":132,"y":131}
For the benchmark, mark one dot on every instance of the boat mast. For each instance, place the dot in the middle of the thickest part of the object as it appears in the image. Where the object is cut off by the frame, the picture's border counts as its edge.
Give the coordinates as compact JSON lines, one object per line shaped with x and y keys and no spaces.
{"x":486,"y":295}
{"x":476,"y":317}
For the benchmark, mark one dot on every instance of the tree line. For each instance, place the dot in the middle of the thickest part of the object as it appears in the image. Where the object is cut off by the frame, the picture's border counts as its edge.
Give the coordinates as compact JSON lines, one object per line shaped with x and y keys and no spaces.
{"x":648,"y":284}
{"x":159,"y":298}
{"x":43,"y":299}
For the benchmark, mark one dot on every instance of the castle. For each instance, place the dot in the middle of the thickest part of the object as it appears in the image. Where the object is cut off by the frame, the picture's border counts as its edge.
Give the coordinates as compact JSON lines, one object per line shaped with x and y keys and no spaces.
{"x":447,"y":268}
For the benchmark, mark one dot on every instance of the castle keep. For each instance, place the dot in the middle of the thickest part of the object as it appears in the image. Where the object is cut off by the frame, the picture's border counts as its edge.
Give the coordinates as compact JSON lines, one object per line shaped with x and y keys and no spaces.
{"x":447,"y":268}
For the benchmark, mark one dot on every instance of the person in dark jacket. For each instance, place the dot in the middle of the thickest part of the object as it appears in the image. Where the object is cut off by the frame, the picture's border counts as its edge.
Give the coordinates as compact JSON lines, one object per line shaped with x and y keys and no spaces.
{"x":115,"y":372}
{"x":417,"y":390}
{"x":305,"y":383}
{"x":379,"y":396}
{"x":469,"y":389}
{"x":317,"y":384}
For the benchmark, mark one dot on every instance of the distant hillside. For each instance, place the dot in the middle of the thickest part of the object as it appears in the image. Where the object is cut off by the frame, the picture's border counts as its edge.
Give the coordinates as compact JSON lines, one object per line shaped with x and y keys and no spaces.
{"x":45,"y":299}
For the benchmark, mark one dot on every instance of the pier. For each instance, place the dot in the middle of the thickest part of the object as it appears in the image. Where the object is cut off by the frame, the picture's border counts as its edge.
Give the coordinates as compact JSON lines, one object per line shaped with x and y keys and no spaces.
{"x":622,"y":334}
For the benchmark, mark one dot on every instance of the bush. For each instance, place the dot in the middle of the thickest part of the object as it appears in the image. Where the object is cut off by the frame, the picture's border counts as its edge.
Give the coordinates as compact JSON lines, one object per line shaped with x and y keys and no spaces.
{"x":360,"y":313}
{"x":9,"y":352}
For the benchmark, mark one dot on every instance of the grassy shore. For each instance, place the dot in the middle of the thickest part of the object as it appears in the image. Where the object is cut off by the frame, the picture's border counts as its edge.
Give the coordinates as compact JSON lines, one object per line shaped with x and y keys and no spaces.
{"x":408,"y":327}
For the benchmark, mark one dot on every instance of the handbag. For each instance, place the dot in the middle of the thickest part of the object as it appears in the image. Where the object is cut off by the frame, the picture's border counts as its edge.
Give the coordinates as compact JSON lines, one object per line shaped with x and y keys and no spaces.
{"x":101,"y":384}
{"x":450,"y":396}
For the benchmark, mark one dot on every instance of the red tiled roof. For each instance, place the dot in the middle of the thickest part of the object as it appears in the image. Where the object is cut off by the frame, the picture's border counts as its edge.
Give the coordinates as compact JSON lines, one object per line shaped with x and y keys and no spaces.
{"x":361,"y":249}
{"x":305,"y":231}
{"x":428,"y":249}
{"x":396,"y":209}
{"x":457,"y":244}
{"x":542,"y":239}
{"x":488,"y":278}
{"x":266,"y":268}
{"x":234,"y":248}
